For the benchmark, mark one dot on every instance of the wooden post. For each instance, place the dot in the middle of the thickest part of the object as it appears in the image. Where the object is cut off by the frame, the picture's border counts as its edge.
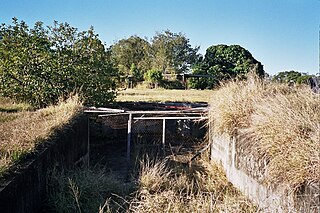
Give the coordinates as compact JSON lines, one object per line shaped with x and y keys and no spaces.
{"x":129,"y":138}
{"x":163,"y":134}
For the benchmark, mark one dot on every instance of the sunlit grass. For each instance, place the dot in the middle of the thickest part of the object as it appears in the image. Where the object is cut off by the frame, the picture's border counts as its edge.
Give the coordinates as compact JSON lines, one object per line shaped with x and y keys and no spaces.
{"x":163,"y":95}
{"x":8,"y":105}
{"x":23,"y":130}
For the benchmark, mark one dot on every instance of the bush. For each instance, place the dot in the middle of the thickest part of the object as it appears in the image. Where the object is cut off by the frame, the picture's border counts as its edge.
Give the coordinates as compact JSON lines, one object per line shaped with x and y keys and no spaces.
{"x":39,"y":65}
{"x":153,"y":77}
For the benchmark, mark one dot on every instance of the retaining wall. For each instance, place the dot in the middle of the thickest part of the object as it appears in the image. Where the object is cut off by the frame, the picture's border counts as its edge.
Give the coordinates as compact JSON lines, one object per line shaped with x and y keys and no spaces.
{"x":246,"y":173}
{"x":24,"y":190}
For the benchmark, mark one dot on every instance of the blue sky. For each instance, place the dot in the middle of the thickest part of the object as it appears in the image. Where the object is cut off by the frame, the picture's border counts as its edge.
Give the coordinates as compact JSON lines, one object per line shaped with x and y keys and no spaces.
{"x":282,"y":34}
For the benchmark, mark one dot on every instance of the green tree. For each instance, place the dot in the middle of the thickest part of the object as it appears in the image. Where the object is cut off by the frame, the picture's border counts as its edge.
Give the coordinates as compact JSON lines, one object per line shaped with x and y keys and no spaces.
{"x":224,"y":62}
{"x":172,"y":53}
{"x":133,"y":50}
{"x":292,"y":77}
{"x":39,"y":65}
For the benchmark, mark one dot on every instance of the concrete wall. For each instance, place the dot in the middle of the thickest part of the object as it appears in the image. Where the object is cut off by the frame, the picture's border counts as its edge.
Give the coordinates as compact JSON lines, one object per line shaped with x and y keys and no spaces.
{"x":24,"y":190}
{"x":246,"y":173}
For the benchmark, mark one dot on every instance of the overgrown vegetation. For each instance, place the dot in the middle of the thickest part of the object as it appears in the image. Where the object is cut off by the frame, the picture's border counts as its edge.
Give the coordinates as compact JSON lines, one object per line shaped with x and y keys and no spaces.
{"x":41,"y":64}
{"x":160,"y":186}
{"x":21,"y":132}
{"x":276,"y":123}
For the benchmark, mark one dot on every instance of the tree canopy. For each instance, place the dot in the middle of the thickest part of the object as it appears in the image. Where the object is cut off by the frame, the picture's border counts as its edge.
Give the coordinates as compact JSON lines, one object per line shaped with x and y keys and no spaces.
{"x":133,"y":51}
{"x":39,"y":65}
{"x":173,"y":53}
{"x":224,"y":62}
{"x":167,"y":52}
{"x":291,"y":77}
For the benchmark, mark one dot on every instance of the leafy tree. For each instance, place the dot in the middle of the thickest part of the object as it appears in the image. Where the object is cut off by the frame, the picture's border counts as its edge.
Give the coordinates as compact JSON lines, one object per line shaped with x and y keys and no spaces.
{"x":292,"y":77}
{"x":172,"y":53}
{"x":39,"y":65}
{"x":224,"y":62}
{"x":133,"y":50}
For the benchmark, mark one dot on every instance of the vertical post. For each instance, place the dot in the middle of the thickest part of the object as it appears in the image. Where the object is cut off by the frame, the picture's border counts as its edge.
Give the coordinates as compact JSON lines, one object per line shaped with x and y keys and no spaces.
{"x":129,"y":138}
{"x":88,"y":144}
{"x":163,"y":134}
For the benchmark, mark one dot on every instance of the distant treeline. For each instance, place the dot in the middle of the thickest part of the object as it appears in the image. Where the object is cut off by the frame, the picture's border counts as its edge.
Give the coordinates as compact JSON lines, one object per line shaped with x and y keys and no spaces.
{"x":41,"y":64}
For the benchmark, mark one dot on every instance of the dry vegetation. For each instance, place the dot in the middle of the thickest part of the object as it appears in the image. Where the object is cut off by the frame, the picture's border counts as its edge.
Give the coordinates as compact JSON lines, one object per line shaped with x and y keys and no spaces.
{"x":163,"y":95}
{"x":23,"y":130}
{"x":202,"y":187}
{"x":159,"y":186}
{"x":277,"y":123}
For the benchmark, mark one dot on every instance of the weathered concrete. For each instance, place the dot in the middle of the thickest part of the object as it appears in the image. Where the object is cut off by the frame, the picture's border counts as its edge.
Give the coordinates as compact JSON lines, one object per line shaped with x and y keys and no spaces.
{"x":246,"y":173}
{"x":24,"y":190}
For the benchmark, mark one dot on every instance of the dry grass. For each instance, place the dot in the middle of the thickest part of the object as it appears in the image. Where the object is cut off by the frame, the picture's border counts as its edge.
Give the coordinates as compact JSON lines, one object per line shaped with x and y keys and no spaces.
{"x":160,"y":186}
{"x":203,"y":187}
{"x":163,"y":95}
{"x":24,"y":130}
{"x":277,"y":123}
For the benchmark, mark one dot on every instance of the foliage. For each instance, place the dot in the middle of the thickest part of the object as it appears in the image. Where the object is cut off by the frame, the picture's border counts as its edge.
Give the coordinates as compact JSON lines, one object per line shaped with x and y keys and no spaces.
{"x":291,"y":76}
{"x":38,"y":65}
{"x":127,"y":52}
{"x":224,"y":62}
{"x":172,"y":53}
{"x":154,"y":77}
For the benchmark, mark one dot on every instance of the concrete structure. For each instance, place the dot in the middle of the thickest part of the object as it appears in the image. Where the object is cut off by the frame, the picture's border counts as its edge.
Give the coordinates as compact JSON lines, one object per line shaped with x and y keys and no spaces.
{"x":246,"y":173}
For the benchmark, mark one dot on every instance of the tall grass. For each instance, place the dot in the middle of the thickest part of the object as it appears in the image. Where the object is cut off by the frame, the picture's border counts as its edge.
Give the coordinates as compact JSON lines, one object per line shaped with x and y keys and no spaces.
{"x":85,"y":190}
{"x":203,"y":187}
{"x":24,"y":130}
{"x":275,"y":122}
{"x":160,"y":186}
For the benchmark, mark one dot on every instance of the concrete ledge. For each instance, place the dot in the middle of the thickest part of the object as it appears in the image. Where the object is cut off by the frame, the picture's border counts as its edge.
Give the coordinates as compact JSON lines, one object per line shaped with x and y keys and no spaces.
{"x":246,"y":173}
{"x":24,"y":190}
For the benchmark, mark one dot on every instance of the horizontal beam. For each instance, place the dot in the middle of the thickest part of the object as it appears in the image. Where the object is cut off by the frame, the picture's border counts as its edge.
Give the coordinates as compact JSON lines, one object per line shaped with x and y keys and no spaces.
{"x":172,"y":118}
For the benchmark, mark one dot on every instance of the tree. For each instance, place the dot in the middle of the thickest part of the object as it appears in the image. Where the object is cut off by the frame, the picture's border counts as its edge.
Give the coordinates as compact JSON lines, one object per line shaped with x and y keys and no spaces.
{"x":224,"y":62}
{"x":172,"y":53}
{"x":133,"y":50}
{"x":38,"y":65}
{"x":292,"y":77}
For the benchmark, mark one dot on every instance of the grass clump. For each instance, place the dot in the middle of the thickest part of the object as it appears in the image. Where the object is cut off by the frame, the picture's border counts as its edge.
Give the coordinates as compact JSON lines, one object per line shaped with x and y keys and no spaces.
{"x":21,"y":132}
{"x":275,"y":122}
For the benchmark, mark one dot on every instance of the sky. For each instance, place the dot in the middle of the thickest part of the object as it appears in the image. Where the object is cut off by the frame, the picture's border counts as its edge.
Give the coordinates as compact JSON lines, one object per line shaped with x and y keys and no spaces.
{"x":281,"y":34}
